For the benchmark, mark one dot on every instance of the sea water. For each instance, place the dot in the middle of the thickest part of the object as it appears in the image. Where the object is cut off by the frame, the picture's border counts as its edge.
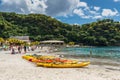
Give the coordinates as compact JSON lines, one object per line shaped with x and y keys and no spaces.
{"x":112,"y":52}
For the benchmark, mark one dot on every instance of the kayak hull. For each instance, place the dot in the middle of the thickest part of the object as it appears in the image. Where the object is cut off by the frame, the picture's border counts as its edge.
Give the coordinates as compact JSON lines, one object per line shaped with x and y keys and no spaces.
{"x":54,"y":65}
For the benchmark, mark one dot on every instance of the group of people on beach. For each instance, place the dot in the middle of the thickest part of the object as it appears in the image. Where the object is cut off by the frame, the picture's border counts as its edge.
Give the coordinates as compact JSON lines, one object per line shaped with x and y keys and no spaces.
{"x":18,"y":49}
{"x":22,"y":49}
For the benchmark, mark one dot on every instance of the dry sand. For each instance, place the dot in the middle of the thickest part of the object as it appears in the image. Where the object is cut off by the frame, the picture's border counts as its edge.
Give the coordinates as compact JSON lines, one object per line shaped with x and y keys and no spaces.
{"x":13,"y":67}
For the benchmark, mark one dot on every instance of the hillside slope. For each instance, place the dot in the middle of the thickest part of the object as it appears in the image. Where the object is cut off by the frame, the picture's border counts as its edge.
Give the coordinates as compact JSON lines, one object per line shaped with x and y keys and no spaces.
{"x":39,"y":27}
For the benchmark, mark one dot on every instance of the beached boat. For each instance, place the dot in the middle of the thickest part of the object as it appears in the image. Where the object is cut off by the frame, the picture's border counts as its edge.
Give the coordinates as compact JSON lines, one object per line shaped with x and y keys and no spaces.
{"x":30,"y":58}
{"x":38,"y":58}
{"x":54,"y":62}
{"x":64,"y":65}
{"x":47,"y":59}
{"x":27,"y":57}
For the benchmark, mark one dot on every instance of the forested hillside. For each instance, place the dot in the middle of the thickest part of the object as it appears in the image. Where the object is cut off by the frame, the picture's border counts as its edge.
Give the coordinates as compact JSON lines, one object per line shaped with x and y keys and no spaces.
{"x":103,"y":32}
{"x":41,"y":27}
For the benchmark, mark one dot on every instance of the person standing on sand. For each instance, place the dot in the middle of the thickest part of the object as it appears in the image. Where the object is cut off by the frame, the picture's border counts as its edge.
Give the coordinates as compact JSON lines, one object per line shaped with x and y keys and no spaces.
{"x":13,"y":50}
{"x":19,"y":49}
{"x":24,"y":48}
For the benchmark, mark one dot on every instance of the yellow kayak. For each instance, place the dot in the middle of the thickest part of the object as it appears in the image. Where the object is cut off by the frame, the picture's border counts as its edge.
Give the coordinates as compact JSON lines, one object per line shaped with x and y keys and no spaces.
{"x":29,"y":58}
{"x":46,"y":57}
{"x":64,"y":65}
{"x":38,"y":57}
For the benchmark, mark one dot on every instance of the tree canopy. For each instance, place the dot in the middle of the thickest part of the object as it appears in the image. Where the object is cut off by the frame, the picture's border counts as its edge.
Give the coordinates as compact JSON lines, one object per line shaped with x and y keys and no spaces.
{"x":39,"y":27}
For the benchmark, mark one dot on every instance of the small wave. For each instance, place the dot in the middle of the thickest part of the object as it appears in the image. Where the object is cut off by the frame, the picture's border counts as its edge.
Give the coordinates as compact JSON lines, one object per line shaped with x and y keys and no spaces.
{"x":90,"y":56}
{"x":85,"y":55}
{"x":113,"y":51}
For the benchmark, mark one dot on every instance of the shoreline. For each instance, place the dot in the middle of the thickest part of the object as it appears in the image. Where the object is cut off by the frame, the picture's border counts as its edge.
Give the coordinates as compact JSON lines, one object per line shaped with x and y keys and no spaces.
{"x":13,"y":67}
{"x":88,"y":57}
{"x":93,"y":60}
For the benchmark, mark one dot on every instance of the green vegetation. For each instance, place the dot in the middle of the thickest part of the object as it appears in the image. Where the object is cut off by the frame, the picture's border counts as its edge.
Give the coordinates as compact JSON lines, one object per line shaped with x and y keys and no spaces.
{"x":39,"y":27}
{"x":101,"y":33}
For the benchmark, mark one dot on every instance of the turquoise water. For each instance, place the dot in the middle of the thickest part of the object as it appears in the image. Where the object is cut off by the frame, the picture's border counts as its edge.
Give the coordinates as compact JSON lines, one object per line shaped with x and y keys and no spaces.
{"x":97,"y":52}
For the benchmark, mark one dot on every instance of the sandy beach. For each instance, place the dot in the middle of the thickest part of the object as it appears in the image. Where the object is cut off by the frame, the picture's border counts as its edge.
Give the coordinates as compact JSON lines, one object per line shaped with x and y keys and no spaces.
{"x":13,"y":67}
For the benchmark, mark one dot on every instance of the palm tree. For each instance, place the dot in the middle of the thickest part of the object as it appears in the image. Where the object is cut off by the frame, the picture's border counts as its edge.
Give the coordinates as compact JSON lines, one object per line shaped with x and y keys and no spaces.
{"x":12,"y":41}
{"x":1,"y":41}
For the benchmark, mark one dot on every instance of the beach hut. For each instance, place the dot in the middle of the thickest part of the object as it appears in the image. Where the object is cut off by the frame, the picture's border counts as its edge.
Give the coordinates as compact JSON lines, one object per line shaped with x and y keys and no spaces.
{"x":23,"y":38}
{"x":52,"y":45}
{"x":52,"y":42}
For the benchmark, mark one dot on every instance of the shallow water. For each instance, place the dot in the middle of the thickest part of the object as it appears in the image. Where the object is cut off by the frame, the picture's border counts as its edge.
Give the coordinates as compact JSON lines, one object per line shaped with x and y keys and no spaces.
{"x":112,"y":52}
